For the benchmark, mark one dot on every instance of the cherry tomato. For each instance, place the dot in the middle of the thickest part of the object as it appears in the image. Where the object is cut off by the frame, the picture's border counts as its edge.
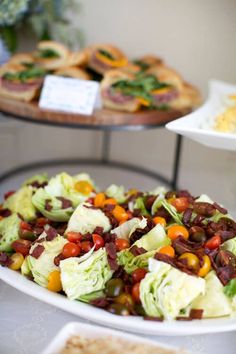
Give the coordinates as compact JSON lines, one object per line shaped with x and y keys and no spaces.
{"x":25,"y":226}
{"x":71,"y":250}
{"x":110,"y":201}
{"x":84,"y":187}
{"x":16,"y":261}
{"x":119,"y":213}
{"x":74,"y":236}
{"x":168,"y":250}
{"x":86,"y":246}
{"x":180,"y":204}
{"x":176,"y":231}
{"x":54,"y":281}
{"x":121,"y":244}
{"x":8,"y":194}
{"x":99,"y":200}
{"x":159,"y":220}
{"x":98,"y":241}
{"x":206,"y":267}
{"x":192,"y":261}
{"x":138,"y":274}
{"x":136,"y":292}
{"x":21,"y":246}
{"x":213,"y":242}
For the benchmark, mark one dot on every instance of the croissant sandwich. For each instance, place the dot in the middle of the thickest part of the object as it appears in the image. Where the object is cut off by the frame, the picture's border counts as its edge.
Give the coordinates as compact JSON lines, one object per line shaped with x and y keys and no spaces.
{"x":51,"y":55}
{"x":105,"y":57}
{"x":21,"y":83}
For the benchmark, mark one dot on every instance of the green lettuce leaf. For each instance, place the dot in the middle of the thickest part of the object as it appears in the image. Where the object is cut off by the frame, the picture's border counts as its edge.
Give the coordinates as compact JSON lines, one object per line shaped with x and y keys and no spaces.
{"x":9,"y":232}
{"x":56,"y":213}
{"x":126,"y":229}
{"x":116,"y":192}
{"x":154,"y":239}
{"x":37,"y":178}
{"x":87,"y":277}
{"x":21,"y":202}
{"x":157,"y":203}
{"x":41,"y":267}
{"x":213,"y":302}
{"x":131,"y":262}
{"x":139,"y":204}
{"x":230,"y":245}
{"x":230,"y":288}
{"x":85,"y":219}
{"x":167,"y":291}
{"x":172,"y":211}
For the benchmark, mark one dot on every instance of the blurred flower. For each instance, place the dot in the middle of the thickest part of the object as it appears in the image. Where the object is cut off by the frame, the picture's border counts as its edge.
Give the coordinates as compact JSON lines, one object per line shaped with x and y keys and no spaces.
{"x":12,"y":11}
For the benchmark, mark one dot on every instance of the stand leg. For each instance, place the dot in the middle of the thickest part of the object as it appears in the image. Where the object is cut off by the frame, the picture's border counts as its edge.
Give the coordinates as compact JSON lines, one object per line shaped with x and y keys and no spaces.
{"x":106,"y":142}
{"x":178,"y":149}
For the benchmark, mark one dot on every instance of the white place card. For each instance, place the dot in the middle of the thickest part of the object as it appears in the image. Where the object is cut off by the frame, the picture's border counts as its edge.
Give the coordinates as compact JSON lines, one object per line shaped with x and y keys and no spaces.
{"x":69,"y":95}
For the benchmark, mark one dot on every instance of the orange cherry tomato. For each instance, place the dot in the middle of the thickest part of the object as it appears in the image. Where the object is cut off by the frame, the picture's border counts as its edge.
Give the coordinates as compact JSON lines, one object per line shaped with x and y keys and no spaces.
{"x":98,"y":241}
{"x":110,"y":201}
{"x":136,"y":292}
{"x":213,"y":243}
{"x":83,"y":187}
{"x":159,"y":220}
{"x":176,"y":231}
{"x":121,"y":244}
{"x":138,"y":274}
{"x":71,"y":250}
{"x":86,"y":246}
{"x":54,"y":281}
{"x":181,"y":204}
{"x":168,"y":250}
{"x":73,"y":236}
{"x":99,"y":200}
{"x":21,"y":246}
{"x":25,"y":226}
{"x":119,"y":213}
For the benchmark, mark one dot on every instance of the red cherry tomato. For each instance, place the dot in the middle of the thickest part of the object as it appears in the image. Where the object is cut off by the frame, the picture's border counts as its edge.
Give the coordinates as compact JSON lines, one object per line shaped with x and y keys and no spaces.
{"x":181,"y":203}
{"x":121,"y":244}
{"x":98,"y":241}
{"x":136,"y":292}
{"x":25,"y":226}
{"x":71,"y":250}
{"x":41,"y":222}
{"x":86,"y":246}
{"x":21,"y":246}
{"x":138,"y":274}
{"x":213,"y":242}
{"x":74,"y":236}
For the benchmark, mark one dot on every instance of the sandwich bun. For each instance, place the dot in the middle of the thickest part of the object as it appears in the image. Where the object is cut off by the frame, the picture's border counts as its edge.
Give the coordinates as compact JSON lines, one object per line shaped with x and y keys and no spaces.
{"x":74,"y":72}
{"x":21,"y":58}
{"x":52,"y":63}
{"x":78,"y":59}
{"x":167,"y":75}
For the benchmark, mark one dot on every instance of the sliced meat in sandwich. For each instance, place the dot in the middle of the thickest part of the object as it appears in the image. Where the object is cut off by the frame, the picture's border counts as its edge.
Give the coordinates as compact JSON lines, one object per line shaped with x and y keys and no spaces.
{"x":51,"y":55}
{"x":21,"y":83}
{"x":104,"y":57}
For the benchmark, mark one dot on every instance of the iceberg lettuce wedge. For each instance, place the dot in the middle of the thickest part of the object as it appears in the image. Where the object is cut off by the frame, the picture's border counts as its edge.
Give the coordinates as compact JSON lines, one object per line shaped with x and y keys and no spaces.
{"x":85,"y":219}
{"x":167,"y":291}
{"x":85,"y":280}
{"x":126,"y":229}
{"x":116,"y":192}
{"x":154,"y":239}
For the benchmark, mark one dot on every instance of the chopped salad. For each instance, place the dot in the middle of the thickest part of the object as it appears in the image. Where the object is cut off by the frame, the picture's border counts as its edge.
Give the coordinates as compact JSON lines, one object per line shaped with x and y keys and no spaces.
{"x":162,"y":255}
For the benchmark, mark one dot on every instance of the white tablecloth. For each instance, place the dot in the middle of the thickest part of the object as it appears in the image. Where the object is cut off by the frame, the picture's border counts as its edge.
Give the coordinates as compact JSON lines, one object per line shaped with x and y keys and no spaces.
{"x":28,"y":325}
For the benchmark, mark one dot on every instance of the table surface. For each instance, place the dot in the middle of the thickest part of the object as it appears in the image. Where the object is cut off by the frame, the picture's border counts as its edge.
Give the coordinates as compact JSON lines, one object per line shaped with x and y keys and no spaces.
{"x":101,"y":119}
{"x":28,"y":325}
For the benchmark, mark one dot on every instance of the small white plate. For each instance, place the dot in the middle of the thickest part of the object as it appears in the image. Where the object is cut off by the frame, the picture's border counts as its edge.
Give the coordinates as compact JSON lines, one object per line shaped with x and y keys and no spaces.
{"x":90,"y":331}
{"x":128,"y":323}
{"x":198,"y":125}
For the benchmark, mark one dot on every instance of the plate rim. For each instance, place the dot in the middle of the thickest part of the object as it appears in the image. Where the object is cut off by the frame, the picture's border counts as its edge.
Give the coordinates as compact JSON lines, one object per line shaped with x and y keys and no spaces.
{"x":100,"y":316}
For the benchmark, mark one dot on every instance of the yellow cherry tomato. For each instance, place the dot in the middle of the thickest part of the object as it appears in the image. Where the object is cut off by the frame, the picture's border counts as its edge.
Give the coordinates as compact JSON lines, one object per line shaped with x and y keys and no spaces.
{"x":192,"y":261}
{"x":168,"y":250}
{"x":120,"y":214}
{"x":176,"y":231}
{"x":159,"y":220}
{"x":16,"y":261}
{"x":132,"y":191}
{"x":206,"y":267}
{"x":99,"y":200}
{"x":83,"y":187}
{"x":54,"y":281}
